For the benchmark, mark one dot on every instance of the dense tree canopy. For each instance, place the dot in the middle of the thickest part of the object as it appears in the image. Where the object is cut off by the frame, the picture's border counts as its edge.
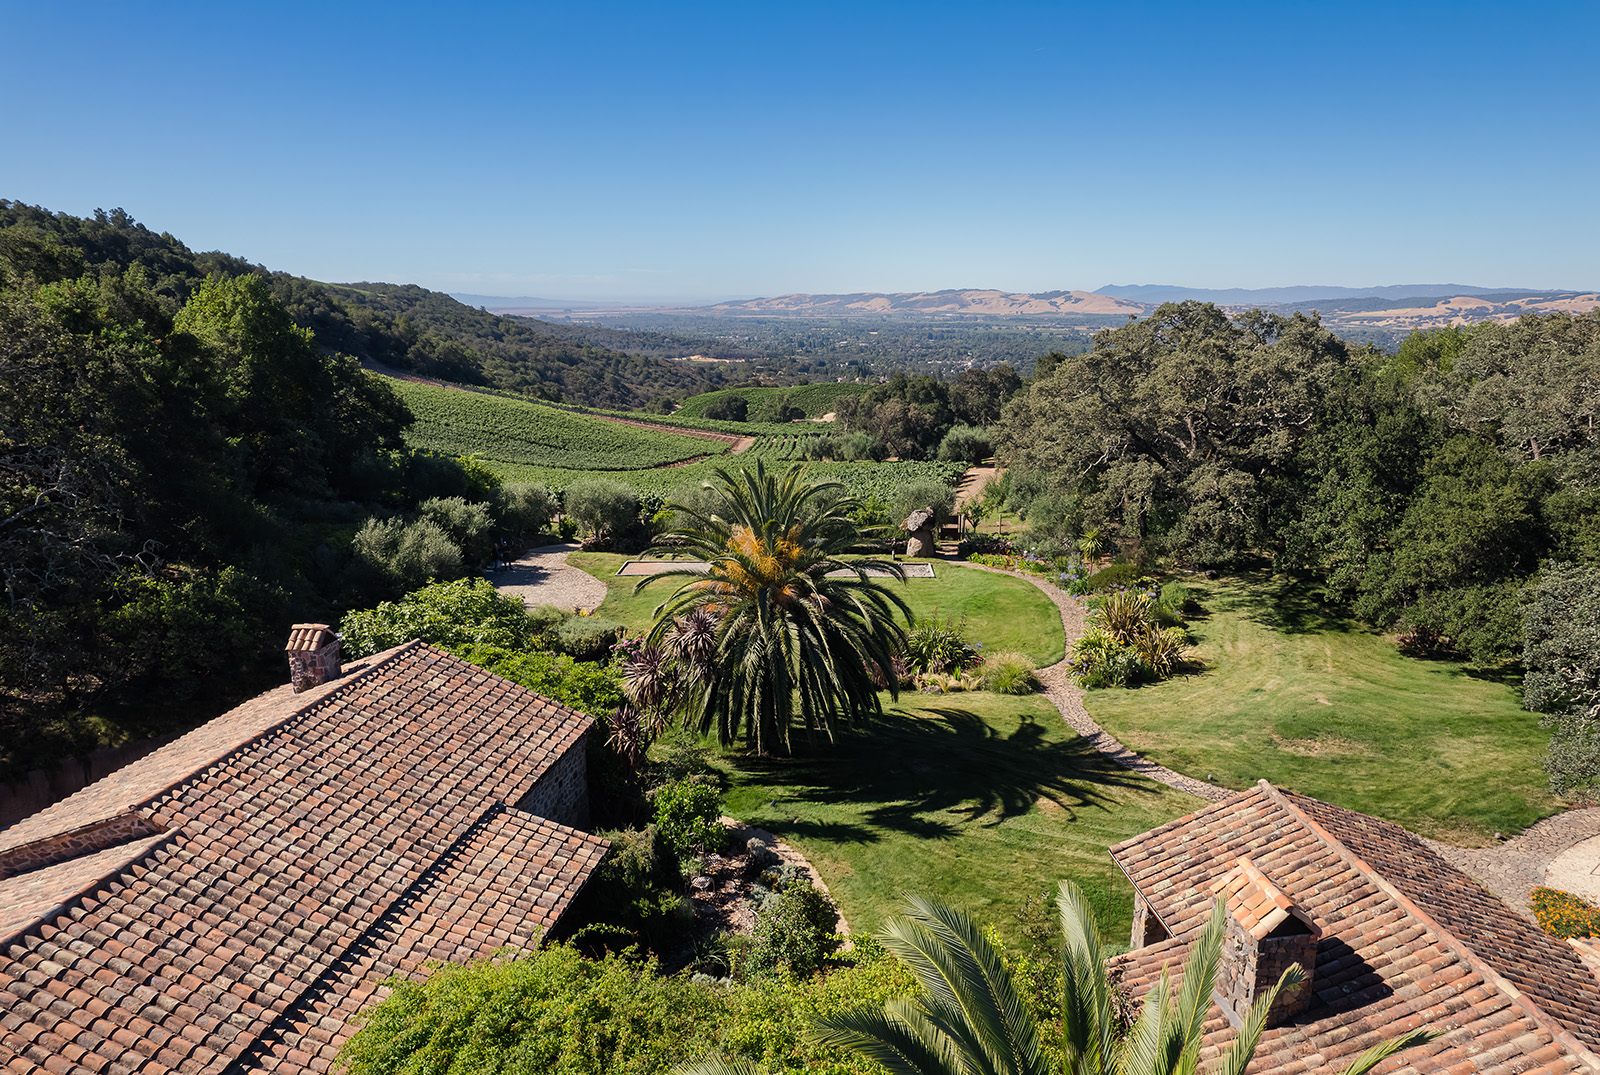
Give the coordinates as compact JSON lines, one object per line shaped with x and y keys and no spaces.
{"x":1173,"y":430}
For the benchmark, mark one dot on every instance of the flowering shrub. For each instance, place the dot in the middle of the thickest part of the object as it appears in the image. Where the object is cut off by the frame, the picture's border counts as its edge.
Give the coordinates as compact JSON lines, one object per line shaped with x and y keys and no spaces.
{"x":1561,"y":914}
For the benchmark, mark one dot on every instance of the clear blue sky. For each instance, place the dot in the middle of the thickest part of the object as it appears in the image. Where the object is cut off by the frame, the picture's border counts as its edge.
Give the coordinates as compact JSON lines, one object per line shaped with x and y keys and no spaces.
{"x":686,"y":151}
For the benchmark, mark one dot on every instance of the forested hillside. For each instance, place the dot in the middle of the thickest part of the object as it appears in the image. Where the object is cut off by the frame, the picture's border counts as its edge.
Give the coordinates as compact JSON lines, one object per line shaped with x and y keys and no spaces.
{"x":192,"y":458}
{"x":403,"y":326}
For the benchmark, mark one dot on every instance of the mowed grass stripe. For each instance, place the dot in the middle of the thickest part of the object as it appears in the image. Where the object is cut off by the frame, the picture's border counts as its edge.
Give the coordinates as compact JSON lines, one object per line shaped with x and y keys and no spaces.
{"x":1293,"y":693}
{"x":517,"y":434}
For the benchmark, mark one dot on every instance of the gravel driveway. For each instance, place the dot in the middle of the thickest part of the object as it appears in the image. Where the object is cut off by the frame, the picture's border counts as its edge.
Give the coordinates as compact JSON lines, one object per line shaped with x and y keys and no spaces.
{"x":542,"y":577}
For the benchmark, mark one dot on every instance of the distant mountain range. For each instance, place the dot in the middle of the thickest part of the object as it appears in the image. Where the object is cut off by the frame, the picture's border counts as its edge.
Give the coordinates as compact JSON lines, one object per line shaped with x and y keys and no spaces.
{"x":968,"y":302}
{"x":1381,"y":314}
{"x":1273,"y":296}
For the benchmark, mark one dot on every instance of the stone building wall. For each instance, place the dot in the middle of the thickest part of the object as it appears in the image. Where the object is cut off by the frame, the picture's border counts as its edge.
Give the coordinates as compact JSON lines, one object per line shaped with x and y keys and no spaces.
{"x":74,"y":844}
{"x":562,"y":793}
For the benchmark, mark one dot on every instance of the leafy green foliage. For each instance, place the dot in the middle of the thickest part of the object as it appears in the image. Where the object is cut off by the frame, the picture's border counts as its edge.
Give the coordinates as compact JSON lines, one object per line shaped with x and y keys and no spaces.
{"x":686,"y":816}
{"x":587,"y":638}
{"x":524,"y":508}
{"x":467,"y":612}
{"x":1172,"y":430}
{"x":157,"y":429}
{"x":965,"y":444}
{"x":1561,"y":629}
{"x":795,"y":930}
{"x":587,"y":686}
{"x":555,"y":1012}
{"x":407,"y":554}
{"x":605,"y":509}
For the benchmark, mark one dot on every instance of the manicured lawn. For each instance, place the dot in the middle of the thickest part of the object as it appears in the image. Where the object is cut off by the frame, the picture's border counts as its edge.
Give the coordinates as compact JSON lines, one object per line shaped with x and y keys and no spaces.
{"x":1003,"y":613}
{"x":978,"y":799}
{"x":1311,"y":702}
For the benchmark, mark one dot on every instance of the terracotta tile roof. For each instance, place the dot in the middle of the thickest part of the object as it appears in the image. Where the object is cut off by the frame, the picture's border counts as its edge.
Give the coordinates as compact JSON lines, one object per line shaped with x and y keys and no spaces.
{"x":323,"y":843}
{"x":1406,"y":940}
{"x":1259,"y":905}
{"x":308,"y":637}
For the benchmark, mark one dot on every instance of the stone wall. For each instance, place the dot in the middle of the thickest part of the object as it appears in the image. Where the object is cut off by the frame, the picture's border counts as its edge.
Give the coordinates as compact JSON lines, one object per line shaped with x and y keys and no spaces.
{"x":562,"y":793}
{"x":1249,"y":968}
{"x":1147,"y":928}
{"x":74,"y":844}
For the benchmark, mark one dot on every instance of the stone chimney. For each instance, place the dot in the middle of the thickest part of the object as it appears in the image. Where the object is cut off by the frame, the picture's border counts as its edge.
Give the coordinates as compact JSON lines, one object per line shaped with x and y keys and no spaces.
{"x":1265,"y":933}
{"x":313,"y":651}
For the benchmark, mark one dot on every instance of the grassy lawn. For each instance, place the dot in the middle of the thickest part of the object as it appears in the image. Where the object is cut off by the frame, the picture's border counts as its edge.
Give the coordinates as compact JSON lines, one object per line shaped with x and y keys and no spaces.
{"x":1321,"y":706}
{"x":1003,"y":613}
{"x":978,"y":799}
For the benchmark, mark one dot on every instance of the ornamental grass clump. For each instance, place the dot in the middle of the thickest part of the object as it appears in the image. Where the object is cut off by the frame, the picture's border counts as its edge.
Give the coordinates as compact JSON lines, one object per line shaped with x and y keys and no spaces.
{"x":1010,"y":673}
{"x":1126,"y":643}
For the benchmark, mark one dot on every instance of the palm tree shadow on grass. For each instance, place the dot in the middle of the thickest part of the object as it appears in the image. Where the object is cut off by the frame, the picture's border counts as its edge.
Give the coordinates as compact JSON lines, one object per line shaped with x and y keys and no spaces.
{"x":927,"y":774}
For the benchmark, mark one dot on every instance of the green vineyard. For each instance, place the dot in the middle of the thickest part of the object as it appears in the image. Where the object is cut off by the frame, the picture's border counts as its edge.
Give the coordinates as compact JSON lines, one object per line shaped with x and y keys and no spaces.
{"x":515,"y":435}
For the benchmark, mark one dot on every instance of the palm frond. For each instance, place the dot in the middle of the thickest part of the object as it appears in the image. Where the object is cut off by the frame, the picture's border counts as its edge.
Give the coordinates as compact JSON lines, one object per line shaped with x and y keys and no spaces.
{"x":1384,"y":1050}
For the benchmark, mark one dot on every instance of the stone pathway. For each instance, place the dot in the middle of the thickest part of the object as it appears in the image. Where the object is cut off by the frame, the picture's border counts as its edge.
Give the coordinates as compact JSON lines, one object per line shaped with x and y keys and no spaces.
{"x":1068,"y":698}
{"x":541,"y":577}
{"x":1561,"y":851}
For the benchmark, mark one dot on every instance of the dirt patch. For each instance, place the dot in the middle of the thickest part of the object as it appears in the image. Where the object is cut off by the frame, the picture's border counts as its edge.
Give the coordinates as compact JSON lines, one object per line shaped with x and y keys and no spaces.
{"x":1321,"y":746}
{"x":972,"y":484}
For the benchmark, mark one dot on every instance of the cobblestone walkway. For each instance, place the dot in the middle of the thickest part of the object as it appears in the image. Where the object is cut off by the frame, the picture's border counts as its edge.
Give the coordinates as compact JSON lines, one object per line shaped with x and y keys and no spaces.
{"x":1068,"y":698}
{"x":1512,"y":870}
{"x":542,"y":577}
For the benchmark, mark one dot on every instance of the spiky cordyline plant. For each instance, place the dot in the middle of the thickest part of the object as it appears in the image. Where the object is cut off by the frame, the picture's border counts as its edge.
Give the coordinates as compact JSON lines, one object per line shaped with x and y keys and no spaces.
{"x":792,"y":646}
{"x":970,"y":1018}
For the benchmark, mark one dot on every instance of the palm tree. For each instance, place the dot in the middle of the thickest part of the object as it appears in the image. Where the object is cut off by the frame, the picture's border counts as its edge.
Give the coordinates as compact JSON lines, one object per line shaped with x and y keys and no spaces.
{"x":970,"y":1019}
{"x":802,"y":636}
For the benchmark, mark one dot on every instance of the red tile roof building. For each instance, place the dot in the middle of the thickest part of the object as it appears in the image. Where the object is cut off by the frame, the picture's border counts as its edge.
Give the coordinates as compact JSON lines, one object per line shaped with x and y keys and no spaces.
{"x":228,"y":901}
{"x":1402,"y":940}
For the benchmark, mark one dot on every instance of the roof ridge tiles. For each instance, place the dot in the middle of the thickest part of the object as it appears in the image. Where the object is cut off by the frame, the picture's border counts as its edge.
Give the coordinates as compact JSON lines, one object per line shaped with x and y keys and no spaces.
{"x":1490,"y":974}
{"x":106,"y":867}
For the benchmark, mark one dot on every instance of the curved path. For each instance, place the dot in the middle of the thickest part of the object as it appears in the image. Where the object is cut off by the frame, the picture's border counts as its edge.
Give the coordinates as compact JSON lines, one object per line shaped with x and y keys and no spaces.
{"x":1562,"y":851}
{"x":541,"y":577}
{"x":1068,"y":698}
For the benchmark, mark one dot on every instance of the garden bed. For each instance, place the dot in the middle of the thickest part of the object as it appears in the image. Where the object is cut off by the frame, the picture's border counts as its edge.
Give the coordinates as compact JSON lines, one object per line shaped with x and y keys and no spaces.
{"x":650,"y":567}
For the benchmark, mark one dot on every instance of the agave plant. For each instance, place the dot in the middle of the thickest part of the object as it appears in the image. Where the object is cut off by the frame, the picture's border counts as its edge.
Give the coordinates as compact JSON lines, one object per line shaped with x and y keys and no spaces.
{"x":1124,"y":615}
{"x":970,"y":1018}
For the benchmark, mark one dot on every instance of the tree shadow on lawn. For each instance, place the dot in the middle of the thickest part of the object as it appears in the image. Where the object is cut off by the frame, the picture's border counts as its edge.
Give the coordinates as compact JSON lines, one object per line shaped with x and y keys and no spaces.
{"x":1290,"y":604}
{"x":907,"y":769}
